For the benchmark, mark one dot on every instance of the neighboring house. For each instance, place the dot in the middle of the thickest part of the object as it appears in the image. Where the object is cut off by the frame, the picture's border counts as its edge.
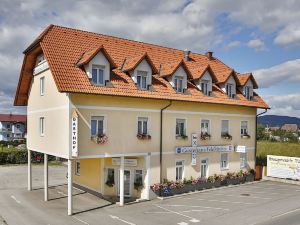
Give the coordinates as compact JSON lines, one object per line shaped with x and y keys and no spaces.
{"x":274,"y":128}
{"x":290,"y":128}
{"x":124,"y":112}
{"x":12,"y":127}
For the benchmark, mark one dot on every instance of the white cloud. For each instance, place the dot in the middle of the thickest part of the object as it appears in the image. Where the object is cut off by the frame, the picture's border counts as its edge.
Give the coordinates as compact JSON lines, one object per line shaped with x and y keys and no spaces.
{"x":284,"y":104}
{"x":233,"y":44}
{"x":289,"y":36}
{"x":285,"y":72}
{"x":257,"y":45}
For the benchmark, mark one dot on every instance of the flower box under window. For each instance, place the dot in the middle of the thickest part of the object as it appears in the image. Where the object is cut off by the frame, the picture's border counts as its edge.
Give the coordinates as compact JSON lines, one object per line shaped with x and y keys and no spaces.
{"x":183,"y":136}
{"x":245,"y":136}
{"x":205,"y":136}
{"x":226,"y":136}
{"x":143,"y":136}
{"x":100,"y":139}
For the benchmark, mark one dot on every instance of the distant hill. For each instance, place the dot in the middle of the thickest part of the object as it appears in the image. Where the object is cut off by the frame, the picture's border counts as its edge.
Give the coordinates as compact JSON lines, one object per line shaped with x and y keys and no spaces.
{"x":273,"y":120}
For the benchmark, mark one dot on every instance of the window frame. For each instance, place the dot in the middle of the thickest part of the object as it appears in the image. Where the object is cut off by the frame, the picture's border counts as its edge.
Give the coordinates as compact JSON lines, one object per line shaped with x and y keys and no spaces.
{"x":227,"y":161}
{"x":42,"y":126}
{"x":247,"y":92}
{"x":181,"y":166}
{"x":209,"y":126}
{"x":77,"y":167}
{"x":176,"y":87}
{"x":231,"y":89}
{"x":135,"y":173}
{"x":207,"y":167}
{"x":143,"y":119}
{"x":143,"y":75}
{"x":243,"y":160}
{"x":205,"y":84}
{"x":242,"y":129}
{"x":42,"y":86}
{"x":97,"y":124}
{"x":228,"y":132}
{"x":184,"y":127}
{"x":97,"y":68}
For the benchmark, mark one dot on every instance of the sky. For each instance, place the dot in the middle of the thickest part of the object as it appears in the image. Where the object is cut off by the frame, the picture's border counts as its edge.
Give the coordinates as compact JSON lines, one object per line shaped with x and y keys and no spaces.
{"x":262,"y":37}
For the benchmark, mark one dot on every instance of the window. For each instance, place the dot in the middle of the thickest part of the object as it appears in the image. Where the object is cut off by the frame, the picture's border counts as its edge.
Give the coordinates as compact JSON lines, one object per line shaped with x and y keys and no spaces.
{"x":77,"y":167}
{"x":204,"y":87}
{"x":18,"y":126}
{"x":110,"y":179}
{"x":224,"y":161}
{"x":141,"y":79}
{"x":224,"y":127}
{"x":178,"y":84}
{"x":180,"y":127}
{"x":42,"y":86}
{"x":142,"y":125}
{"x":8,"y":126}
{"x":243,"y":160}
{"x":179,"y":170}
{"x":205,"y":129}
{"x":8,"y":135}
{"x":40,"y":59}
{"x":244,"y":127}
{"x":248,"y":92}
{"x":42,"y":126}
{"x":98,"y":75}
{"x":229,"y":90}
{"x":97,"y":125}
{"x":204,"y":167}
{"x":138,"y":177}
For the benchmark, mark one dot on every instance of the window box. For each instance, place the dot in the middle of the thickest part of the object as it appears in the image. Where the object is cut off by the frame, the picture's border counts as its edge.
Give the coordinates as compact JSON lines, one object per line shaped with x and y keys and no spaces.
{"x":100,"y":139}
{"x":181,"y":136}
{"x":245,"y":136}
{"x":226,"y":136}
{"x":205,"y":136}
{"x":143,"y":136}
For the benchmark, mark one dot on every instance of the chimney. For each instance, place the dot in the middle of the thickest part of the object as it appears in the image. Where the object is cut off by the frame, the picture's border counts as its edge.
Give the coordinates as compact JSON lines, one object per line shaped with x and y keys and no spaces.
{"x":187,"y":55}
{"x":209,"y":55}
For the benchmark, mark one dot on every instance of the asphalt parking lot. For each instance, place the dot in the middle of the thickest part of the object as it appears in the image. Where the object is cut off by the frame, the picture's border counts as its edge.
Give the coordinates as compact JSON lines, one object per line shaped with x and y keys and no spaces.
{"x":259,"y":203}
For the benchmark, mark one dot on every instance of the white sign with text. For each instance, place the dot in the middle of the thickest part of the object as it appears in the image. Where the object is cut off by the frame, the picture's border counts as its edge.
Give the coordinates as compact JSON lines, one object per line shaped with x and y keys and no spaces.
{"x":74,"y":130}
{"x":283,"y":167}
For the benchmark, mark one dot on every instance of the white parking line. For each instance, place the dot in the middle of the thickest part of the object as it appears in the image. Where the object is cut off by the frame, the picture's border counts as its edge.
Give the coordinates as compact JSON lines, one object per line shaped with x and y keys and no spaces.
{"x":182,"y":223}
{"x":216,"y":200}
{"x":60,"y":192}
{"x":197,"y":206}
{"x":14,"y":198}
{"x":124,"y":221}
{"x":193,"y":220}
{"x":82,"y":221}
{"x":286,"y":213}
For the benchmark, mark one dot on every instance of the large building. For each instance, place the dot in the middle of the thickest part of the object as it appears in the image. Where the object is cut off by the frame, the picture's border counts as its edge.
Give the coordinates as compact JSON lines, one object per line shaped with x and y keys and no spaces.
{"x":12,"y":127}
{"x":127,"y":113}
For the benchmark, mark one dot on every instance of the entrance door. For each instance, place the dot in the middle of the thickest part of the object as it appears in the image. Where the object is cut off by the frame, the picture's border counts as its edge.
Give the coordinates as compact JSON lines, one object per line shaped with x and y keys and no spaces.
{"x":127,"y":183}
{"x":204,"y":167}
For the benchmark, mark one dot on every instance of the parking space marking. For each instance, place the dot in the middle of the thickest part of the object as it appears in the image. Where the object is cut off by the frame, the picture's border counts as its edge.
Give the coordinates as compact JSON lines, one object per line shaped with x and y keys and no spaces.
{"x":82,"y":221}
{"x":124,"y":221}
{"x":216,"y":200}
{"x":60,"y":192}
{"x":198,"y":206}
{"x":193,"y":220}
{"x":16,"y":200}
{"x":286,"y":213}
{"x":241,"y":196}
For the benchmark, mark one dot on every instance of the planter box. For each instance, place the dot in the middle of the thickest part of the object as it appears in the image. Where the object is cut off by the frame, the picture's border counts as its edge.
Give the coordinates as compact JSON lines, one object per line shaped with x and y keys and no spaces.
{"x":217,"y":184}
{"x":249,"y":178}
{"x":233,"y":181}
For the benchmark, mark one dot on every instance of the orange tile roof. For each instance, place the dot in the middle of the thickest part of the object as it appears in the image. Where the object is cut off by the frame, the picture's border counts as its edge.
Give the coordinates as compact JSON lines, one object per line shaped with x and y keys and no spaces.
{"x":64,"y":47}
{"x":131,"y":63}
{"x":243,"y":79}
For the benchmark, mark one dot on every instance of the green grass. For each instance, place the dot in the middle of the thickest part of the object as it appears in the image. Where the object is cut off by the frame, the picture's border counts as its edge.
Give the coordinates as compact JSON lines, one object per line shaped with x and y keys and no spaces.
{"x":265,"y":148}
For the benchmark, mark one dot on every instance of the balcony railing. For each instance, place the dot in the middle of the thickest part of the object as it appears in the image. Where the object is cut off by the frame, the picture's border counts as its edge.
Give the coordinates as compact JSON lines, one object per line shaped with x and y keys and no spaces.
{"x":41,"y":67}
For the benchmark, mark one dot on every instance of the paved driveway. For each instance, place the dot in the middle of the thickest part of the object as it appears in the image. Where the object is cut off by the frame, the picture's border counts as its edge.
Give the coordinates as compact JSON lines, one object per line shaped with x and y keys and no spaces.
{"x":260,"y":203}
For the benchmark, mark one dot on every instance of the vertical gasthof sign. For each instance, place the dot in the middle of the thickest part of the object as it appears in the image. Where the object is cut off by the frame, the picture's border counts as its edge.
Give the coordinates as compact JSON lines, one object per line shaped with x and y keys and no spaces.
{"x":74,"y":131}
{"x":194,"y":152}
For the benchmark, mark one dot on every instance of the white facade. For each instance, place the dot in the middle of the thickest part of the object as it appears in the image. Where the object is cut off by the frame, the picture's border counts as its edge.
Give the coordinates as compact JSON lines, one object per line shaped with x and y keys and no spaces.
{"x":10,"y":131}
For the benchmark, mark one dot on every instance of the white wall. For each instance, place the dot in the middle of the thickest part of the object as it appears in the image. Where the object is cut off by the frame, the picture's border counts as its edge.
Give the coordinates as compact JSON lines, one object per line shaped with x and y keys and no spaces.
{"x":98,"y":60}
{"x":143,"y":66}
{"x":206,"y":77}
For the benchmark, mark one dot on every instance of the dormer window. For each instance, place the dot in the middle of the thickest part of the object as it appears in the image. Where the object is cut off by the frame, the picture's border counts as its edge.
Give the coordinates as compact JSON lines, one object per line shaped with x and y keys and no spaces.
{"x":230,"y":90}
{"x":178,"y":84}
{"x":204,"y":87}
{"x":98,"y":75}
{"x":248,"y":92}
{"x":141,"y":79}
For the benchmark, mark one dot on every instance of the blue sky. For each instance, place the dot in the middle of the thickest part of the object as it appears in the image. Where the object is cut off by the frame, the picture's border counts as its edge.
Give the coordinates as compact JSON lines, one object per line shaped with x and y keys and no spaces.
{"x":262,"y":37}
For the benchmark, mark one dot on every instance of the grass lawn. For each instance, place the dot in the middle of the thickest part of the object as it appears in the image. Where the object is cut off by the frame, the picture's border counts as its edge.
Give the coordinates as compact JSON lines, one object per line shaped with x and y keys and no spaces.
{"x":265,"y":148}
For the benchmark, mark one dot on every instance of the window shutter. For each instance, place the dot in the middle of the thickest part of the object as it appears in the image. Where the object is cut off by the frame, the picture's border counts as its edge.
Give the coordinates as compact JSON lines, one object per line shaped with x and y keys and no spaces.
{"x":139,"y":127}
{"x":94,"y":127}
{"x":145,"y":127}
{"x":100,"y":127}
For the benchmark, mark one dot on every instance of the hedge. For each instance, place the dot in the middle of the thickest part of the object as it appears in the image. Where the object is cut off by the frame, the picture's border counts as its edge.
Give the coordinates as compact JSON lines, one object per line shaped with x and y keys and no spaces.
{"x":15,"y":156}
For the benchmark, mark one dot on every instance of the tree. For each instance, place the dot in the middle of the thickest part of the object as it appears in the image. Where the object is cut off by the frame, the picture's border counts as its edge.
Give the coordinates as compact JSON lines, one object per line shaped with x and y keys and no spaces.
{"x":261,"y":133}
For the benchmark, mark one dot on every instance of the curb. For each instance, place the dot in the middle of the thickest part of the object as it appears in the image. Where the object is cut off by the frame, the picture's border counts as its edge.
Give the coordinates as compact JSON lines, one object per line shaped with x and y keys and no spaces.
{"x":209,"y":190}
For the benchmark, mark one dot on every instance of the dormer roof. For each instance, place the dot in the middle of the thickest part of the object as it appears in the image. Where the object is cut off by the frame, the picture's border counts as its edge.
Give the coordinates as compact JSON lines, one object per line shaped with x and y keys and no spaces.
{"x":199,"y":71}
{"x":168,"y":69}
{"x":87,"y":56}
{"x":132,"y":62}
{"x":243,"y":79}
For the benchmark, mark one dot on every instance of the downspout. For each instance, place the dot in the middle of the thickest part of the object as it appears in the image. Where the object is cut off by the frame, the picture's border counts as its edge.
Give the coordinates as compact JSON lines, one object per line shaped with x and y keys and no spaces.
{"x":160,"y":144}
{"x":256,"y":134}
